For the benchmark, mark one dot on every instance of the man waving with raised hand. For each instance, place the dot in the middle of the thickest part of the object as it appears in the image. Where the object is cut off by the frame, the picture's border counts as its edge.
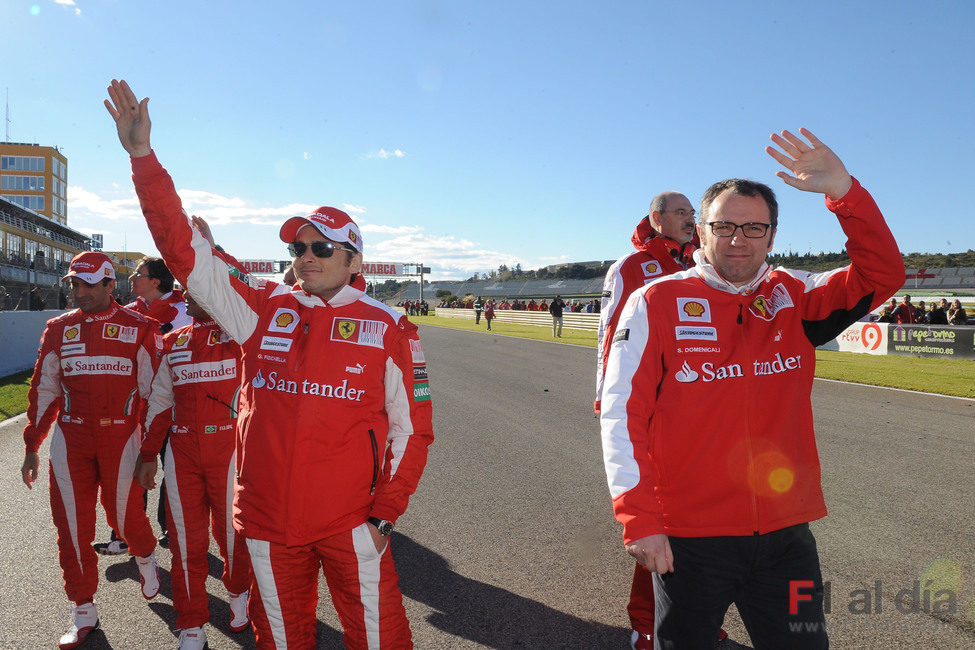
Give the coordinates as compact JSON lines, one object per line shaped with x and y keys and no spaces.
{"x":706,"y":418}
{"x":335,"y":415}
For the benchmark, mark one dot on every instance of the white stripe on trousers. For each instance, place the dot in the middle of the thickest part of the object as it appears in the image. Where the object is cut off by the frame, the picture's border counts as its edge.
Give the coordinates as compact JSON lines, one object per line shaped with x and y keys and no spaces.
{"x":62,"y":474}
{"x":176,"y":510}
{"x":260,"y":552}
{"x":369,"y":563}
{"x":123,"y":481}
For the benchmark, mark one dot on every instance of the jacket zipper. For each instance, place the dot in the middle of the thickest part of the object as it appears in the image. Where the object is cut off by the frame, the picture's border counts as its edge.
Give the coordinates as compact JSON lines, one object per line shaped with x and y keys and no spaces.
{"x":748,"y":431}
{"x":375,"y":461}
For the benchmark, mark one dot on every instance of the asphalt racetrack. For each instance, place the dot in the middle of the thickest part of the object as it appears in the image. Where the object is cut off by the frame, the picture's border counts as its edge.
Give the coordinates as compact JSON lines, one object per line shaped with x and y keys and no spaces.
{"x":510,"y":540}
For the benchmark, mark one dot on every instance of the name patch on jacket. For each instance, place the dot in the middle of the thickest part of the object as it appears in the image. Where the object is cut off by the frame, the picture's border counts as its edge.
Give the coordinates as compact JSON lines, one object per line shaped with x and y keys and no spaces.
{"x":694,"y":310}
{"x":360,"y":332}
{"x":119,"y":333}
{"x":767,"y":308}
{"x":194,"y":373}
{"x":101,"y":365}
{"x":419,"y":373}
{"x":622,"y":334}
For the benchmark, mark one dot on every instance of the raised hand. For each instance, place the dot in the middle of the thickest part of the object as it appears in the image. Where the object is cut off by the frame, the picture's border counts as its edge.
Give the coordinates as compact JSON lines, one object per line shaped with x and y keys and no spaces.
{"x":131,"y":118}
{"x":814,"y":166}
{"x":204,"y":228}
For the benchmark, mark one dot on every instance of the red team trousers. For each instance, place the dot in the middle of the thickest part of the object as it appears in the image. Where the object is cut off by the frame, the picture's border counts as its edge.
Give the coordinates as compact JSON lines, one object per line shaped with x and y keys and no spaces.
{"x":85,"y":456}
{"x":363,"y":585}
{"x":199,"y":469}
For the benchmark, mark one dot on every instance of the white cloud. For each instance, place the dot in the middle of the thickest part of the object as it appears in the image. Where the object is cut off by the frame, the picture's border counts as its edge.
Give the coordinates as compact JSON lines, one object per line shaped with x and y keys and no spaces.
{"x":389,"y":230}
{"x":69,"y":3}
{"x":306,"y":156}
{"x":87,"y":207}
{"x":557,"y":258}
{"x":382,"y":153}
{"x":449,"y":256}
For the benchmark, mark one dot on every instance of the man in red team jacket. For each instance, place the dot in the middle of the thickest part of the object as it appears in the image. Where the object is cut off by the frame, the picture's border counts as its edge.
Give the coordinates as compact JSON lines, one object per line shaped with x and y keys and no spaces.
{"x":335,"y":414}
{"x":706,"y":414}
{"x":94,"y":369}
{"x":664,"y":244}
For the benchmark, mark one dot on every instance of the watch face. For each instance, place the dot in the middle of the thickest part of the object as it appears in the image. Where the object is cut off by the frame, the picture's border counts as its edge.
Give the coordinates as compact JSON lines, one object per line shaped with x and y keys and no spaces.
{"x":385,"y":528}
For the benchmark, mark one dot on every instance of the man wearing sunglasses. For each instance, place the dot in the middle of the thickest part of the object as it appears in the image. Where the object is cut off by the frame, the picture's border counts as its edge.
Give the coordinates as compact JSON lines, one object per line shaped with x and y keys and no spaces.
{"x":706,"y":416}
{"x":335,"y":415}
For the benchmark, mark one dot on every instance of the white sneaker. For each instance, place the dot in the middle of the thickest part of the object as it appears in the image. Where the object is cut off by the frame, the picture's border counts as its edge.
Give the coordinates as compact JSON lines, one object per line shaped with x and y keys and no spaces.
{"x":238,"y":611}
{"x":193,"y":638}
{"x":148,"y":575}
{"x":84,"y":619}
{"x":114,"y":547}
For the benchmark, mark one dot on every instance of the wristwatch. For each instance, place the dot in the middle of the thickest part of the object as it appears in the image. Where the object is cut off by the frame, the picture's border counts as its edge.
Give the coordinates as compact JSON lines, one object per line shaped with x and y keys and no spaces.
{"x":385,"y":527}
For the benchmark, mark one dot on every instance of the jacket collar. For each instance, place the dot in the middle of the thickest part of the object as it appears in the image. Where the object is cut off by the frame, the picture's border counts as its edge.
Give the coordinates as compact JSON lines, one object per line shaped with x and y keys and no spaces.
{"x":346,"y":296}
{"x":714,"y":280}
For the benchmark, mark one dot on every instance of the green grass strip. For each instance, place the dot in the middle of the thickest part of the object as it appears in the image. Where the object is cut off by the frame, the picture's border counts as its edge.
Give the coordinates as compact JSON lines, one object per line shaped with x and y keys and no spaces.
{"x":943,"y":376}
{"x":13,"y":394}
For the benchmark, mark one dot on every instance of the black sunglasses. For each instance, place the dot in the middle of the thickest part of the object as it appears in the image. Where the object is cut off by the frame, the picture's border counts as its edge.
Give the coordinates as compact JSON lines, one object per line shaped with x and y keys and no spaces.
{"x":323,"y":249}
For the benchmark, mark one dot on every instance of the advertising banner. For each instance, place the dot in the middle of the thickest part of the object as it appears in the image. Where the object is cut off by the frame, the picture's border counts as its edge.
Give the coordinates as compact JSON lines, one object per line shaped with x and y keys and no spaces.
{"x":259,"y":266}
{"x":870,"y":338}
{"x":932,"y":341}
{"x":381,"y":268}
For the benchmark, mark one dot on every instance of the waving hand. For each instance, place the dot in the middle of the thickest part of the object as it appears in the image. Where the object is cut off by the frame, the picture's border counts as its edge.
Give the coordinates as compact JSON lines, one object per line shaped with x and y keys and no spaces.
{"x":131,"y":118}
{"x":814,"y":166}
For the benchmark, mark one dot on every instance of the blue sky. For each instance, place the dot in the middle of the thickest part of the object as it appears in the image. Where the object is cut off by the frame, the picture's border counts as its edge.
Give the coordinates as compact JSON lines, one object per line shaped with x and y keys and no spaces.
{"x":466,"y":135}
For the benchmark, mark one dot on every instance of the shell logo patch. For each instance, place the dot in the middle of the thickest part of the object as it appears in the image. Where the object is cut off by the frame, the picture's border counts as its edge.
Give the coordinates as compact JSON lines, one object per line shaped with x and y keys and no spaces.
{"x":651,"y":268}
{"x":283,"y":321}
{"x":182,"y":340}
{"x":346,"y":328}
{"x":696,"y":310}
{"x":71,"y":333}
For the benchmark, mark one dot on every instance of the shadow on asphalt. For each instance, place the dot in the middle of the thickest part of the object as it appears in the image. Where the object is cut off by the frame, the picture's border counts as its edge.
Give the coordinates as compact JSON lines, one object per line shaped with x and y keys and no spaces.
{"x":489,"y":615}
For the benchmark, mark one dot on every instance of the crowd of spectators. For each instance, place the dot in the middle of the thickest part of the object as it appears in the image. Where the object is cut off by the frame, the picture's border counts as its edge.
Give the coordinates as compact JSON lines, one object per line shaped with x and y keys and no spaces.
{"x":574,"y":306}
{"x":934,"y":313}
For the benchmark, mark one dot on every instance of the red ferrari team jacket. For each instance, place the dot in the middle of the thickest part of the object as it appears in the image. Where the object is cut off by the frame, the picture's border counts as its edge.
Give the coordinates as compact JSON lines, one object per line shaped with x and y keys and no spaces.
{"x":168,"y":309}
{"x":335,"y":412}
{"x":197,"y":387}
{"x":95,"y":368}
{"x":707,"y":423}
{"x":655,"y":256}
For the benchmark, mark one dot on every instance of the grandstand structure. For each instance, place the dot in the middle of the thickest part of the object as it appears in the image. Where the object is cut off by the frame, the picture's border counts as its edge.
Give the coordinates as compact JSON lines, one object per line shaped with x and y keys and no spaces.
{"x":961,"y":279}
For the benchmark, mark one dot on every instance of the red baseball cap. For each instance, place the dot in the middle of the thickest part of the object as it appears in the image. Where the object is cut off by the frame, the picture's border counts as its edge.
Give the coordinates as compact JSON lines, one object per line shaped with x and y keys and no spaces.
{"x":331,"y":222}
{"x":91,"y":266}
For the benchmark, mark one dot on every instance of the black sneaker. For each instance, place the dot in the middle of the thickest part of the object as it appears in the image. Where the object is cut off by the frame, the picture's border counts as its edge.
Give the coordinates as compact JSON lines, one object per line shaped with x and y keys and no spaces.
{"x":114,"y":547}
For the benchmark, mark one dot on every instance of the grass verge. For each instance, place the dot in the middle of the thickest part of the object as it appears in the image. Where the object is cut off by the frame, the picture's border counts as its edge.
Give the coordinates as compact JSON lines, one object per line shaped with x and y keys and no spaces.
{"x":943,"y":376}
{"x":13,"y":394}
